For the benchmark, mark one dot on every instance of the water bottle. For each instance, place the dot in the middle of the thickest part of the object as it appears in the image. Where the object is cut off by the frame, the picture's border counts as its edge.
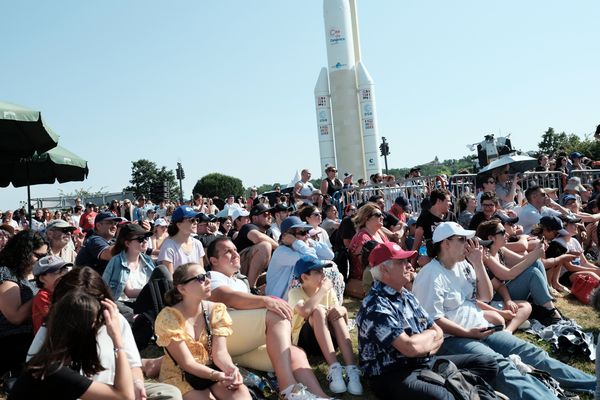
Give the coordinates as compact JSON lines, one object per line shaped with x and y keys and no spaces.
{"x":423,"y":250}
{"x":252,"y":380}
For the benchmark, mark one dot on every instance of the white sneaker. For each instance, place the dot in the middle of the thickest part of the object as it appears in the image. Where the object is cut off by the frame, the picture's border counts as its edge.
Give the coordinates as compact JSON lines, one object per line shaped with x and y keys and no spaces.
{"x":354,"y":385}
{"x":336,"y":379}
{"x":298,"y":392}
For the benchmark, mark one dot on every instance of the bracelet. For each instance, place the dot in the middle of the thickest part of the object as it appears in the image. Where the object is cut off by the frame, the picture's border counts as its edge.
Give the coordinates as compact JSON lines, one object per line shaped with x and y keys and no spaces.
{"x":117,"y":349}
{"x":212,"y":375}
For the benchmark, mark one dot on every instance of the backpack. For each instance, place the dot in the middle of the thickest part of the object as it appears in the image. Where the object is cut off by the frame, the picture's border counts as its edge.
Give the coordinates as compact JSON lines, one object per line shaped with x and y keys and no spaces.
{"x":463,"y":384}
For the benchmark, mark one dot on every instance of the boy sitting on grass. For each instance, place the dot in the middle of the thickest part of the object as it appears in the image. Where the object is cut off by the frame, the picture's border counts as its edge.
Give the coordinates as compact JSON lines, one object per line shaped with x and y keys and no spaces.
{"x":315,"y":302}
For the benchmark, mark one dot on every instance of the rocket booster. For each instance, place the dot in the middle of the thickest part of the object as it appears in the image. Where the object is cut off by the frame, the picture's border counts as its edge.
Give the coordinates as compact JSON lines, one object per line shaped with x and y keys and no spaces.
{"x":346,"y":99}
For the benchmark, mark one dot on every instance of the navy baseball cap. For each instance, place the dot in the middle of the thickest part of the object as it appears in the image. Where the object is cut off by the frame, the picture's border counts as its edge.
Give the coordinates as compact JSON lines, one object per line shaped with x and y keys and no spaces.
{"x":308,"y":263}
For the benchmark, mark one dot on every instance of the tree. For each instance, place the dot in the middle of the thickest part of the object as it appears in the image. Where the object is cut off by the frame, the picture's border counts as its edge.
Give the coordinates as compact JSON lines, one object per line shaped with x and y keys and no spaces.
{"x":219,"y":185}
{"x":552,"y":142}
{"x":146,"y":176}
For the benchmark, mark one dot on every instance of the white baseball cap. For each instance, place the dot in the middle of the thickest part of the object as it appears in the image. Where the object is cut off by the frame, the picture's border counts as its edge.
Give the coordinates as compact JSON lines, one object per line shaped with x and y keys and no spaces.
{"x":239,"y":212}
{"x":448,"y":229}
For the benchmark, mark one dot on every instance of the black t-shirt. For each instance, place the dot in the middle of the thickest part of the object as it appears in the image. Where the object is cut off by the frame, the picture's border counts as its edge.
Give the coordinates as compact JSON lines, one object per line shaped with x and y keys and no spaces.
{"x":346,"y":230}
{"x":478,"y":218}
{"x":241,"y":241}
{"x":89,"y":252}
{"x":64,"y":384}
{"x":427,"y":221}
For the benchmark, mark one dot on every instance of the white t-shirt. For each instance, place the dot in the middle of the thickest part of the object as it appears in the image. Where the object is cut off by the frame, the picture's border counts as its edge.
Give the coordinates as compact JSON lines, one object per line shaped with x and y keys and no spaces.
{"x":529,"y":216}
{"x":137,"y":280}
{"x":450,"y":293}
{"x":572,"y":245}
{"x":106,"y":353}
{"x":218,"y":279}
{"x":172,"y":252}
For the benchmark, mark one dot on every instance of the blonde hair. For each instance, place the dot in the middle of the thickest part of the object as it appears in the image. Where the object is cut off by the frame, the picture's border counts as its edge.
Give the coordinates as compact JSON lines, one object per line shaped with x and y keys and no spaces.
{"x":363,"y":215}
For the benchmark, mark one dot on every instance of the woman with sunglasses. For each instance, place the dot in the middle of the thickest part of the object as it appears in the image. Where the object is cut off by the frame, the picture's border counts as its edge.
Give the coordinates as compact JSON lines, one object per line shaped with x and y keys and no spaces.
{"x":515,"y":278}
{"x":17,"y":289}
{"x":181,"y":247}
{"x":312,"y":216}
{"x":193,"y":333}
{"x":369,"y":223}
{"x":130,"y":268}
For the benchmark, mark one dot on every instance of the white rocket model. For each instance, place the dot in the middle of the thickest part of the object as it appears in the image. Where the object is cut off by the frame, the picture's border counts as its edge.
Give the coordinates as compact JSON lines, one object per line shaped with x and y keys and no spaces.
{"x":345,"y":100}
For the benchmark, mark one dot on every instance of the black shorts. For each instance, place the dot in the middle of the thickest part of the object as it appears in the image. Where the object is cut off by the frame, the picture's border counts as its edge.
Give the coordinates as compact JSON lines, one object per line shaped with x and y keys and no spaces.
{"x":308,"y":341}
{"x":565,"y":279}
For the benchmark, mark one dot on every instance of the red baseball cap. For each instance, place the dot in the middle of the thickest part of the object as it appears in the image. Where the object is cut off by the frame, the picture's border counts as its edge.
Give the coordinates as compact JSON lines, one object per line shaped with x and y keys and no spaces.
{"x":389,"y":251}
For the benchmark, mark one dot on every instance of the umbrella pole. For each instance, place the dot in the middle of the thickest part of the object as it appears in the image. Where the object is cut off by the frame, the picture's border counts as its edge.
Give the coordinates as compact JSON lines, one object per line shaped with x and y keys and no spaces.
{"x":28,"y":195}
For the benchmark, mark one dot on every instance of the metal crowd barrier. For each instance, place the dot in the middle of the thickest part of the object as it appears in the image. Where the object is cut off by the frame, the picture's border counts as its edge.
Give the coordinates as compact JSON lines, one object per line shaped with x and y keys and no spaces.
{"x":417,"y":189}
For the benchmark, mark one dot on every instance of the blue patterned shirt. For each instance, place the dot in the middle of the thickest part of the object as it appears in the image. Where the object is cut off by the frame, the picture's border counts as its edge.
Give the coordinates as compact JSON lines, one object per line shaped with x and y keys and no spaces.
{"x":383,"y":316}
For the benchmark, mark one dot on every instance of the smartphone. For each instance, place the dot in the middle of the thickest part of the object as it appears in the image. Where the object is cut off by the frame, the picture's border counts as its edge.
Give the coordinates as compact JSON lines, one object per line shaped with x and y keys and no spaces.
{"x":494,"y":328}
{"x":485,"y":243}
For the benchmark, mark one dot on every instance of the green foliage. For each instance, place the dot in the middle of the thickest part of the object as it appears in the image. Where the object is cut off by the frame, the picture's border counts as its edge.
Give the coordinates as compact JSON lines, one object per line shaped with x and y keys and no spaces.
{"x":219,"y":185}
{"x":145,"y":175}
{"x":83,"y":193}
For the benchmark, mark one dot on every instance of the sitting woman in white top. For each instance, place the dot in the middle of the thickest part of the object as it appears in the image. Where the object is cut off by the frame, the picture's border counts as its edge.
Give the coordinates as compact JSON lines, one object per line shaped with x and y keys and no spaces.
{"x":181,"y":247}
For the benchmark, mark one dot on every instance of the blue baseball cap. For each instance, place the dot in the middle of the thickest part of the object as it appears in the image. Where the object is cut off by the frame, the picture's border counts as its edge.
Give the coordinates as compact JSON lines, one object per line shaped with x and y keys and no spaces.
{"x":293,"y":222}
{"x":308,"y":263}
{"x":568,"y":197}
{"x":183,"y":212}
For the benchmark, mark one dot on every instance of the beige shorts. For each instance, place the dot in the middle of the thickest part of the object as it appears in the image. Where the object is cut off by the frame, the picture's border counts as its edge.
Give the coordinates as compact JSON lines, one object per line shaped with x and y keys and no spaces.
{"x":248,"y":343}
{"x":245,"y":258}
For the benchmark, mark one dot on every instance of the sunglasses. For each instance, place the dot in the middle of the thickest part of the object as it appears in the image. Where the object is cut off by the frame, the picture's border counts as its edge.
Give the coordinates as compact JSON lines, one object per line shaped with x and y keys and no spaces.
{"x":39,"y":255}
{"x":500,"y":232}
{"x":66,"y":230}
{"x":315,"y":214}
{"x":487,"y":205}
{"x":490,"y":182}
{"x":461,"y":239}
{"x":192,"y":220}
{"x":200,"y":278}
{"x":376,"y":214}
{"x":300,"y":233}
{"x":140,"y":239}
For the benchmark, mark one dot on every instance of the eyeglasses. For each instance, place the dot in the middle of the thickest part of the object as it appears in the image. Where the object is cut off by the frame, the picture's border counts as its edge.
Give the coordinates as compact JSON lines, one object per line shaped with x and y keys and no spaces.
{"x":200,"y":278}
{"x":376,"y":215}
{"x":140,"y":239}
{"x":38,"y":255}
{"x":500,"y":232}
{"x":461,"y":239}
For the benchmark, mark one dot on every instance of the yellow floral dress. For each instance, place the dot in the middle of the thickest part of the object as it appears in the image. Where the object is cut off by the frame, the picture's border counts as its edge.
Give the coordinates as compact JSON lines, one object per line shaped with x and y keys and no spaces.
{"x":170,"y":325}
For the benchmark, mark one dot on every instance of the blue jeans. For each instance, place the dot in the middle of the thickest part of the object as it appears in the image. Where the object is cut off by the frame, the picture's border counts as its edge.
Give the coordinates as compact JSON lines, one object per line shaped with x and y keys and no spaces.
{"x":509,"y":380}
{"x":531,"y":281}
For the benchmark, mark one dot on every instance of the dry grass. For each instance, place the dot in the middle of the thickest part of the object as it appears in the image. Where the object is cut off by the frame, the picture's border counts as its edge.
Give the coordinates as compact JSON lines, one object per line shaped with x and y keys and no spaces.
{"x":587,"y":317}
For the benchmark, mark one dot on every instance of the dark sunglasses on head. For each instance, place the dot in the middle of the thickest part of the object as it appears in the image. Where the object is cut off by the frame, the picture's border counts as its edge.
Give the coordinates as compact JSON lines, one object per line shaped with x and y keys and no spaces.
{"x":200,"y":278}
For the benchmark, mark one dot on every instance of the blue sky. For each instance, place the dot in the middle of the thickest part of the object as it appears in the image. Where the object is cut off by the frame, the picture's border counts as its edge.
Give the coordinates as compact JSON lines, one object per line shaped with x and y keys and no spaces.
{"x":227,"y":86}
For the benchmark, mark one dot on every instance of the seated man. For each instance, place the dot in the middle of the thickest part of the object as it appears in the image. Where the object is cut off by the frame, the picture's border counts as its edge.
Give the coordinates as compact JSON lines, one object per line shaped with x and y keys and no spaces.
{"x":397,"y":338}
{"x":58,"y":233}
{"x":96,"y":250}
{"x":448,"y":288}
{"x":294,"y":243}
{"x":262,"y":329}
{"x":255,"y":243}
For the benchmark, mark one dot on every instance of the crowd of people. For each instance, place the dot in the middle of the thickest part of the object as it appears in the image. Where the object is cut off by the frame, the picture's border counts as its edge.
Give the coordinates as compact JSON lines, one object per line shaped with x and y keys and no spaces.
{"x":260,"y":283}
